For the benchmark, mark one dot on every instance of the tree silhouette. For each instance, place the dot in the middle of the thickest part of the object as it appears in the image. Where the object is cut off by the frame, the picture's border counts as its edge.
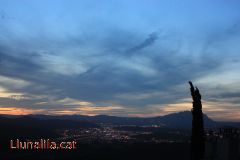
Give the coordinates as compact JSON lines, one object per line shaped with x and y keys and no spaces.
{"x":197,"y":138}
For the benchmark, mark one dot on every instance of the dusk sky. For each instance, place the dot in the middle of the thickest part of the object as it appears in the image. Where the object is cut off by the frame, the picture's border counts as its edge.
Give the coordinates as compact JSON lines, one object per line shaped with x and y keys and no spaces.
{"x":122,"y":58}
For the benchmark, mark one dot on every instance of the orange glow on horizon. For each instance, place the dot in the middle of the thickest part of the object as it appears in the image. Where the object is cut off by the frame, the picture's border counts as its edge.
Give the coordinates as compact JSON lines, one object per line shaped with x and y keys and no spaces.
{"x":217,"y":111}
{"x":17,"y":111}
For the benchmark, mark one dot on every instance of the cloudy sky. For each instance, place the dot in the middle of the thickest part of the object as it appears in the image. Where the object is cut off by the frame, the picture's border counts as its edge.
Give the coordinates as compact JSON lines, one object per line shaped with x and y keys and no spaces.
{"x":124,"y":58}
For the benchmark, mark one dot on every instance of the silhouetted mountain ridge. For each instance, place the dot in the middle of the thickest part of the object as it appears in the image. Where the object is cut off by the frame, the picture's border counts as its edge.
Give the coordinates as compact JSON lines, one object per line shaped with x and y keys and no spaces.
{"x":173,"y":120}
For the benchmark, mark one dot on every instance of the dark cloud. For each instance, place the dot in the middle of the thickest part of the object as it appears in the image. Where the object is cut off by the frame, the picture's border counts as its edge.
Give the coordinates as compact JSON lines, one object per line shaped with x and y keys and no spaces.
{"x":17,"y":64}
{"x":146,"y":43}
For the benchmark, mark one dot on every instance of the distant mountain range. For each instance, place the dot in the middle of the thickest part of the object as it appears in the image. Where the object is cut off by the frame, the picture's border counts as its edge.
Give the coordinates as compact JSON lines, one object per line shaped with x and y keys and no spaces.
{"x":174,"y":120}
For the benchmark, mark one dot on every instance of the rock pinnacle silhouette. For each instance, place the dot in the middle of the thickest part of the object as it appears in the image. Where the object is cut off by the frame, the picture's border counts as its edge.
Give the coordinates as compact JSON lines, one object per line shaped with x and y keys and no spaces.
{"x":197,"y":138}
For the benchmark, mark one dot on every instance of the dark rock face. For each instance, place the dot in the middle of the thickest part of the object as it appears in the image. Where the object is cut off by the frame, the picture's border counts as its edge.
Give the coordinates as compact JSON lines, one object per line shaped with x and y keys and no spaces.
{"x":197,"y":138}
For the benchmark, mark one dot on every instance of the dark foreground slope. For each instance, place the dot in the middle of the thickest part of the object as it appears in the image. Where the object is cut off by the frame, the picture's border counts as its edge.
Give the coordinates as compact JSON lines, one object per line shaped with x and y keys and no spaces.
{"x":109,"y":152}
{"x":26,"y":127}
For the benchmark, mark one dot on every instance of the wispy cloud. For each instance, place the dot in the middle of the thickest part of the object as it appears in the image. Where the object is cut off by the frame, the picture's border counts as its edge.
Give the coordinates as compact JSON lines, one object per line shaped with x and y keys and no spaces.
{"x":146,"y":43}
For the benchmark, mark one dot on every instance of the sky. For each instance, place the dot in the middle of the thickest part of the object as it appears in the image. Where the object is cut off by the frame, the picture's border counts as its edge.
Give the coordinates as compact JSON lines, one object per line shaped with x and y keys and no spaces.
{"x":123,"y":58}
